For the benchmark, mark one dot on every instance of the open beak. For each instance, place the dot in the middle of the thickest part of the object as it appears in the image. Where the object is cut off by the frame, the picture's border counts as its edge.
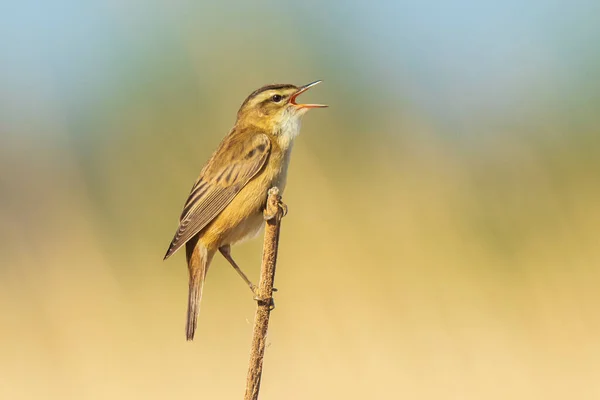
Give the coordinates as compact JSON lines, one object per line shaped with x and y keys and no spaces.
{"x":301,"y":90}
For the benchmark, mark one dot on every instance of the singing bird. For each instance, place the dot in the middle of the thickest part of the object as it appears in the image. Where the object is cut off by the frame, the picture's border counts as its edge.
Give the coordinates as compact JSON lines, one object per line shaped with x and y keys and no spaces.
{"x":226,"y":203}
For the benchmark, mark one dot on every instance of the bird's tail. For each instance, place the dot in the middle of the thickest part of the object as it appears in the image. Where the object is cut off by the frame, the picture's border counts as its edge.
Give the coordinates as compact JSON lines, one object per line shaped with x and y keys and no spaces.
{"x":195,"y":296}
{"x":198,"y":258}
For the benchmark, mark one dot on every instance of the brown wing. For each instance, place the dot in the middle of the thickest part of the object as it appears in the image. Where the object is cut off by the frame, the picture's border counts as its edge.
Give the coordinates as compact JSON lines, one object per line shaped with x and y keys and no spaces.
{"x":236,"y":161}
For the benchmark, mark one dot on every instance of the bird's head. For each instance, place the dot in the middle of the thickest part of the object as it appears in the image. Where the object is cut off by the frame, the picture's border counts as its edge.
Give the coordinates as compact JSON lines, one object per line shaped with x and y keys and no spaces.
{"x":274,"y":107}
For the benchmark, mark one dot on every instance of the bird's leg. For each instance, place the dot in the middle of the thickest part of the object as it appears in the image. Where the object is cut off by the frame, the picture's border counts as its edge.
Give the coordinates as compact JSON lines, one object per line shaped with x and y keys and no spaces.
{"x":226,"y":251}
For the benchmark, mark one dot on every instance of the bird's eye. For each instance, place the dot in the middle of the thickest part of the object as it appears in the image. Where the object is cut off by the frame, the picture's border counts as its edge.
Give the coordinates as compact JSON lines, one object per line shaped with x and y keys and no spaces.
{"x":276,"y":98}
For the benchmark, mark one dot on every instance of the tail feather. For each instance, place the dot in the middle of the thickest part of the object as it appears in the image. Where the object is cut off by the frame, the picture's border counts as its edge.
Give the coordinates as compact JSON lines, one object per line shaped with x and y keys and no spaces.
{"x":198,"y":258}
{"x":195,"y":296}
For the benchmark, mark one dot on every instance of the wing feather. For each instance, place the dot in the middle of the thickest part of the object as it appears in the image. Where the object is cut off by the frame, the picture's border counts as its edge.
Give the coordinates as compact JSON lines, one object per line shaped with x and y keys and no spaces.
{"x":232,"y":166}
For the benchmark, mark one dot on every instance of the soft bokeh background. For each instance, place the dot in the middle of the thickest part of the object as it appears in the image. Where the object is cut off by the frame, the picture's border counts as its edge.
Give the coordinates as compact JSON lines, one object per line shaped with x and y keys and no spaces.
{"x":444,"y":225}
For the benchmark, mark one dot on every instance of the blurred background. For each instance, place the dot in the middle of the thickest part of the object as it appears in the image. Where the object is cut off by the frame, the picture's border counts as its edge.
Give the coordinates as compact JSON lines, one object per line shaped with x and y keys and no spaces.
{"x":444,"y":224}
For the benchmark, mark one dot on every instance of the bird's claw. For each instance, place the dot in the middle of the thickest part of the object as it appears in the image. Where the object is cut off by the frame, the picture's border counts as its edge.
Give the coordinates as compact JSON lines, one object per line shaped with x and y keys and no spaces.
{"x":283,"y":207}
{"x":262,"y":301}
{"x":280,"y":206}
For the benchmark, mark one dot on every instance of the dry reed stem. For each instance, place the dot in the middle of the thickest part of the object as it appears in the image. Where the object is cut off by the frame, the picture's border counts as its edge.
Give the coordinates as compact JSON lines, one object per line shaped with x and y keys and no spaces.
{"x":265,"y":294}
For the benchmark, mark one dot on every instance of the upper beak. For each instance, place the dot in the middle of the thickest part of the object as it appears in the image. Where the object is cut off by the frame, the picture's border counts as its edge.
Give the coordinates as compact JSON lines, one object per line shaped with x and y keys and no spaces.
{"x":301,"y":90}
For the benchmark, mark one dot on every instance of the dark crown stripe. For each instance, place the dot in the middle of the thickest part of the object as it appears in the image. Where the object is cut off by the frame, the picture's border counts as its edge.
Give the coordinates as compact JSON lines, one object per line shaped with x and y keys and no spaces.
{"x":277,"y":86}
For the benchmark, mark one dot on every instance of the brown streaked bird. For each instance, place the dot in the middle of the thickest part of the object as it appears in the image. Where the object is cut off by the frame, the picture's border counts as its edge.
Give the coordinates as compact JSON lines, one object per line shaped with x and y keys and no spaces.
{"x":226,"y":203}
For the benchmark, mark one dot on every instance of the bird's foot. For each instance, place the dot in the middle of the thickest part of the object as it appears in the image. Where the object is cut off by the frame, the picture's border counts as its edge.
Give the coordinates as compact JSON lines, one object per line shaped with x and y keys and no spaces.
{"x":274,"y":205}
{"x":265,"y":301}
{"x":270,"y":214}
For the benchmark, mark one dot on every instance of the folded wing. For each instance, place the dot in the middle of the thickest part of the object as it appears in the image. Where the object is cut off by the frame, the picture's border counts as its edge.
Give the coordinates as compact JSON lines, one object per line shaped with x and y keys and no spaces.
{"x":232,"y":166}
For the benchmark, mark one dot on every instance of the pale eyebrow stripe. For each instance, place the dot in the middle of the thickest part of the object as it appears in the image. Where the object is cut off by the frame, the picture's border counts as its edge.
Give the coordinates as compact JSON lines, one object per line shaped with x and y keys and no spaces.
{"x":265,"y":97}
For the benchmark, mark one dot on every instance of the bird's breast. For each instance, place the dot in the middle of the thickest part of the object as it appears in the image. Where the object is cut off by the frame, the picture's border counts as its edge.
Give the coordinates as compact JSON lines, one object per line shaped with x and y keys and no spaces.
{"x":243,"y":218}
{"x":280,"y":177}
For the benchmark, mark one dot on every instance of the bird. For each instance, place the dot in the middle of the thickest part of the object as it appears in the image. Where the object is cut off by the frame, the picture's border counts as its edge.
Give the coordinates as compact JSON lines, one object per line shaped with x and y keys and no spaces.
{"x":226,"y":203}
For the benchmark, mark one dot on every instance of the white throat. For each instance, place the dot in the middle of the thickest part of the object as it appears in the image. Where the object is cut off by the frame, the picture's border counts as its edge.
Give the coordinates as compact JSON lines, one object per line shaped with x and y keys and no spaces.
{"x":290,"y":128}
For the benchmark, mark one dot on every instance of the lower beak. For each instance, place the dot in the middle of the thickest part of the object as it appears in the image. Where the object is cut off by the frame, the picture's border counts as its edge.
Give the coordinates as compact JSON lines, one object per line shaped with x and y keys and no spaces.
{"x":301,"y":90}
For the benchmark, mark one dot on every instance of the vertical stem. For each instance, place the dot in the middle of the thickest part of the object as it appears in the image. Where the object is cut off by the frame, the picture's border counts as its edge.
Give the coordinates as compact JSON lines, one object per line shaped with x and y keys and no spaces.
{"x":265,"y":293}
